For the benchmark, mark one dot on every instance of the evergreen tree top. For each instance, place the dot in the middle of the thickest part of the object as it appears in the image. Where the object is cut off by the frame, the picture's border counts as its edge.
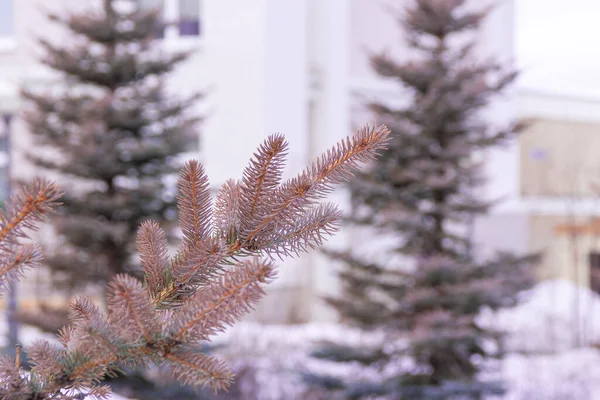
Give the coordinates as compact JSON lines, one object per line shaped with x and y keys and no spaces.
{"x":110,"y":48}
{"x":440,"y":19}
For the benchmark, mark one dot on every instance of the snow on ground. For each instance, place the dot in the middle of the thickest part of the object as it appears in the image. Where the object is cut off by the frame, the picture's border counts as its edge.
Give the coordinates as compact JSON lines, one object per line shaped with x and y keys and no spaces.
{"x":544,"y":326}
{"x":268,"y":357}
{"x":272,"y":357}
{"x":117,"y":397}
{"x":573,"y":374}
{"x":546,"y":320}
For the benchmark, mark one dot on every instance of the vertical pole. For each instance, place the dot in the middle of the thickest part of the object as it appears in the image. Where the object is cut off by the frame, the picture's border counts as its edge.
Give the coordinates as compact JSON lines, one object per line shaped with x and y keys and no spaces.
{"x":11,"y":309}
{"x":286,"y":97}
{"x":471,"y":220}
{"x":330,"y":31}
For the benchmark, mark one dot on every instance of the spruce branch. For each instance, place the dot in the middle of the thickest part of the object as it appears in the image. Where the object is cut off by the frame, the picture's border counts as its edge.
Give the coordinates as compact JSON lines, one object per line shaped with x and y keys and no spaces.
{"x":193,"y":203}
{"x":288,"y":204}
{"x":224,"y":302}
{"x":315,"y":182}
{"x":290,"y":238}
{"x":227,"y":219}
{"x":216,"y":276}
{"x":260,"y":179}
{"x":199,"y":263}
{"x":131,"y":310}
{"x":152,"y":245}
{"x":200,"y":370}
{"x":28,"y":207}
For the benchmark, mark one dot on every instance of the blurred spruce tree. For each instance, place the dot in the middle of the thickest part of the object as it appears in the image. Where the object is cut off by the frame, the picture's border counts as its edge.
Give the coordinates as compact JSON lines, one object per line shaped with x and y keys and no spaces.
{"x":111,"y":131}
{"x":423,"y":191}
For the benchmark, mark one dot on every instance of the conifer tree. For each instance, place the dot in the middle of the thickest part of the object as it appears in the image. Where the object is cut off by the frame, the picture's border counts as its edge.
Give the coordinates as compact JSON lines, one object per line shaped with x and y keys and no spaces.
{"x":422,"y":190}
{"x":109,"y":129}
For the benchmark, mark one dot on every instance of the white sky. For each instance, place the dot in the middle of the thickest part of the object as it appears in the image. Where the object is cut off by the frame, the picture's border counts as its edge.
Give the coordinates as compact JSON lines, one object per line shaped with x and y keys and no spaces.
{"x":558,"y":45}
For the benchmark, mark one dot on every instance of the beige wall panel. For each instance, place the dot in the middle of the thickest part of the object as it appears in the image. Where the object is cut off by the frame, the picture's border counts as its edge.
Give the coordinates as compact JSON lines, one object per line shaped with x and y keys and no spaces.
{"x":565,"y":255}
{"x":560,"y":158}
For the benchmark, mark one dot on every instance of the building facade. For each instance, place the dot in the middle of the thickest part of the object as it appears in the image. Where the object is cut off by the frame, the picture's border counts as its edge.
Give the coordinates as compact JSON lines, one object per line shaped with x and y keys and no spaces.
{"x":560,"y":184}
{"x":301,"y":68}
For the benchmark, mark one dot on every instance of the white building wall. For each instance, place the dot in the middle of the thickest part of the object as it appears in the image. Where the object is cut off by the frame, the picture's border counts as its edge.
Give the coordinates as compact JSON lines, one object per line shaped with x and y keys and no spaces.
{"x":235,"y":55}
{"x":330,"y":22}
{"x":296,"y":67}
{"x":255,"y":54}
{"x":506,"y":228}
{"x":502,"y":166}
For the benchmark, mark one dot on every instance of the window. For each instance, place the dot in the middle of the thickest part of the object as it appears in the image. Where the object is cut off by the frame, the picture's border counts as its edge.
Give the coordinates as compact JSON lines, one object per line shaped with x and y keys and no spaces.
{"x":189,"y":17}
{"x":5,"y":126}
{"x":6,"y":18}
{"x":6,"y":25}
{"x":182,"y":17}
{"x":594,"y":262}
